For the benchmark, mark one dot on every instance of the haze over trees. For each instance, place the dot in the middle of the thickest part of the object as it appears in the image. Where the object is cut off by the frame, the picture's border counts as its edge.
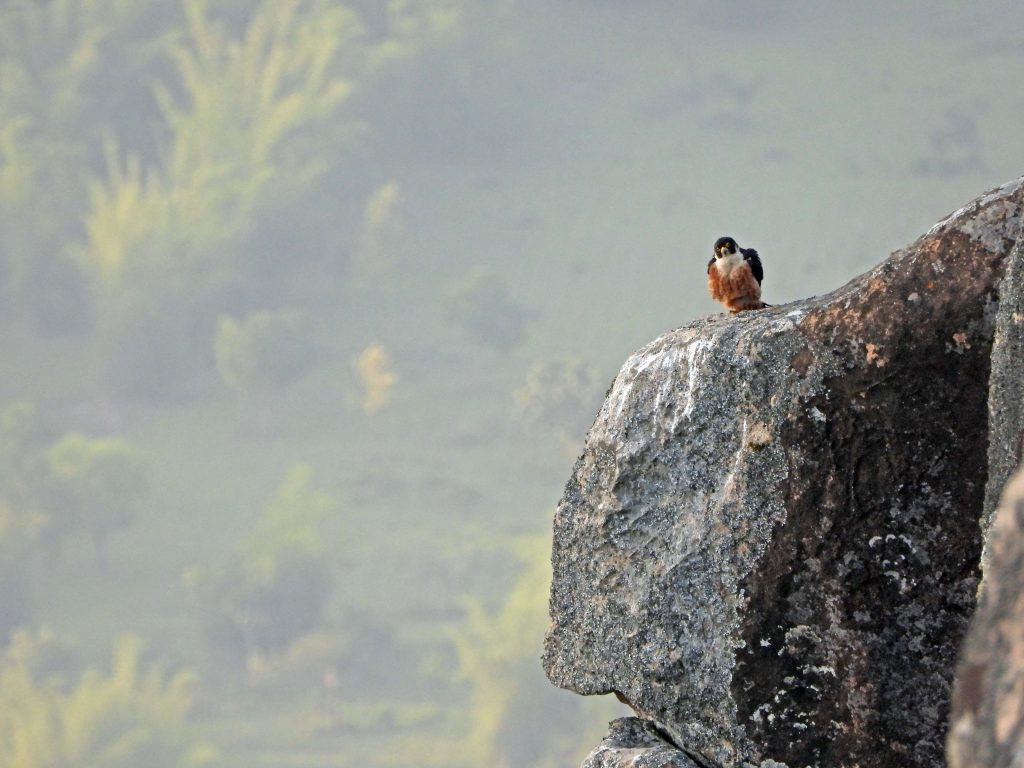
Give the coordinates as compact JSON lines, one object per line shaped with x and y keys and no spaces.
{"x":305,"y":303}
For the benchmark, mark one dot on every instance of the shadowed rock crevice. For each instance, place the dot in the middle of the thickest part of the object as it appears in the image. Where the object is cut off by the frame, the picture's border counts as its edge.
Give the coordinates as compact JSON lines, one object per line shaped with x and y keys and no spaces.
{"x":770,"y":544}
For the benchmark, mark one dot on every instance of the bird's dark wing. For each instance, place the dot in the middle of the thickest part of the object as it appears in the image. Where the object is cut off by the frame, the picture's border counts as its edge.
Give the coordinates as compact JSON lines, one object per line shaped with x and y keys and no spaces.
{"x":710,"y":263}
{"x":751,"y":257}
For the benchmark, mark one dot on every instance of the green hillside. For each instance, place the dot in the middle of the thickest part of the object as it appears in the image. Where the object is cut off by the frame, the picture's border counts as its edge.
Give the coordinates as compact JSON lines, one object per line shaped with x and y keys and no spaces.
{"x":307,"y":305}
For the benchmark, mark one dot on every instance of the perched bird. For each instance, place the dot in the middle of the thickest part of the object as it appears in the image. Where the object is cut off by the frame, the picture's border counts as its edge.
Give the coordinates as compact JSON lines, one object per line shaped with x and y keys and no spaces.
{"x":735,"y":275}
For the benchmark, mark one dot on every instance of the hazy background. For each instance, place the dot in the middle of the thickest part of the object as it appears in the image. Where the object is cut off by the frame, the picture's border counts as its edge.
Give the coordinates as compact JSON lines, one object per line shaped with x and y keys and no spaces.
{"x":306,"y":307}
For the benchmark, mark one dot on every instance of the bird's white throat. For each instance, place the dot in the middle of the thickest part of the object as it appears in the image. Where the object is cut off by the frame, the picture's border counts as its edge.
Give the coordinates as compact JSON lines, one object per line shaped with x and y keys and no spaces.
{"x":727,"y":264}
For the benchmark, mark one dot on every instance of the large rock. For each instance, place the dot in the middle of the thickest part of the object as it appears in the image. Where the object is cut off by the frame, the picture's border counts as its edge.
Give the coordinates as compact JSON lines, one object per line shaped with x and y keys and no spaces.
{"x":769,"y":547}
{"x":987,"y":725}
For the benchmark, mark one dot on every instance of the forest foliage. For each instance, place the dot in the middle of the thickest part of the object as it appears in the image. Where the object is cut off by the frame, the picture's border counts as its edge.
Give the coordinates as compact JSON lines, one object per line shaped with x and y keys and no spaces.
{"x":196,"y":201}
{"x":131,"y":715}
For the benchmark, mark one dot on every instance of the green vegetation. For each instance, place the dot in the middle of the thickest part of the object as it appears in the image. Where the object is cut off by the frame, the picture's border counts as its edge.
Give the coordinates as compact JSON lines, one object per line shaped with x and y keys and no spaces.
{"x":95,"y":485}
{"x":497,"y":653}
{"x":274,"y":589}
{"x":562,"y":395}
{"x":265,"y":350}
{"x":305,"y":306}
{"x":128,"y":717}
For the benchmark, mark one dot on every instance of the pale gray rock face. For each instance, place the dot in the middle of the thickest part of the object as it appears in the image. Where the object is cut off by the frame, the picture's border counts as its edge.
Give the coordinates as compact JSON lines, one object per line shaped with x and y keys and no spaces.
{"x":1006,"y":382}
{"x":770,"y":544}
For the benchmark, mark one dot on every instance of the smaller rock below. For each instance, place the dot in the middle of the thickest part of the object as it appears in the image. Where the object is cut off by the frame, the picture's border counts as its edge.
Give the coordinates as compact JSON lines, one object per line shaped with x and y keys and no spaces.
{"x":635,"y":743}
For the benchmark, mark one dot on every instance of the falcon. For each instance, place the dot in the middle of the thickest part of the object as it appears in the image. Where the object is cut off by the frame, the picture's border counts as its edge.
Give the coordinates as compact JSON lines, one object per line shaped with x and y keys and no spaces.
{"x":735,"y":275}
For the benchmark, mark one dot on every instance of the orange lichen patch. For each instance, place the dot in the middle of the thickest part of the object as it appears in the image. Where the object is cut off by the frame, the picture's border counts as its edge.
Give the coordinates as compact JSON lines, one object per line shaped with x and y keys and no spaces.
{"x":759,"y":436}
{"x":874,"y":357}
{"x":961,"y":340}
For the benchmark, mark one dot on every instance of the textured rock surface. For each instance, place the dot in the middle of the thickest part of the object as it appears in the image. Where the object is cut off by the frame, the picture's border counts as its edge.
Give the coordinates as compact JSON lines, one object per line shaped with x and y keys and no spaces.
{"x":635,"y":743}
{"x":1006,"y":382}
{"x":770,"y":543}
{"x":987,"y":724}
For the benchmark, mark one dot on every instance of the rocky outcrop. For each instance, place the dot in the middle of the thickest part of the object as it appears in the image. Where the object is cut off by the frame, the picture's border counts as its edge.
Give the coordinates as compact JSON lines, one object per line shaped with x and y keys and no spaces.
{"x":769,"y":547}
{"x":987,"y":724}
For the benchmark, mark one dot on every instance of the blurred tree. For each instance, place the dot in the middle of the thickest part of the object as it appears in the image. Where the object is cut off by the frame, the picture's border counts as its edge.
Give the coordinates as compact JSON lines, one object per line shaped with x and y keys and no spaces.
{"x":258,"y":163}
{"x":563,"y":395}
{"x":239,"y":130}
{"x":293,"y":518}
{"x":514,"y":720}
{"x":155,"y":348}
{"x":373,"y":365}
{"x":131,"y":717}
{"x":481,"y":305}
{"x":265,"y":351}
{"x":21,"y":438}
{"x":373,"y":260}
{"x":252,"y":124}
{"x":274,"y":589}
{"x":21,"y":520}
{"x":16,"y":530}
{"x":95,"y":485}
{"x":70,"y":70}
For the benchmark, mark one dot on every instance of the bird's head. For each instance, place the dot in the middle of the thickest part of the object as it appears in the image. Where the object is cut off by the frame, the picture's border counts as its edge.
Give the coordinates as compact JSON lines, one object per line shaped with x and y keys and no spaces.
{"x":725,"y":246}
